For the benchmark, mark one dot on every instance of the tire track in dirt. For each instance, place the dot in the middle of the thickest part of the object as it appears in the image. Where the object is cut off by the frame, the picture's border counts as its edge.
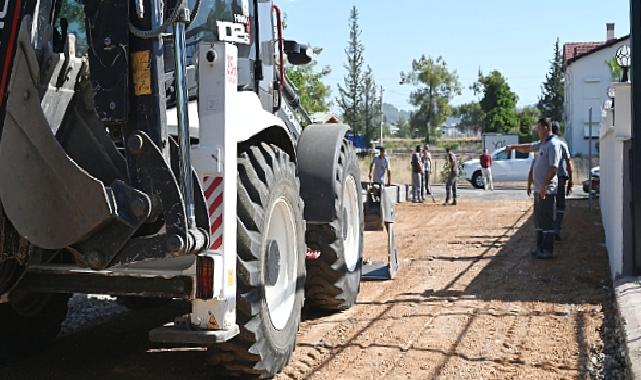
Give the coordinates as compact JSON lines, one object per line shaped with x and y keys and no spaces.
{"x":378,"y":345}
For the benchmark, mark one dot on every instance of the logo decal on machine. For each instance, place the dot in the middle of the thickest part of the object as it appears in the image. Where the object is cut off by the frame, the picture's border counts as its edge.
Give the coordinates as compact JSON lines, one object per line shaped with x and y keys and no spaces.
{"x":234,"y":32}
{"x":232,"y":70}
{"x":214,"y":196}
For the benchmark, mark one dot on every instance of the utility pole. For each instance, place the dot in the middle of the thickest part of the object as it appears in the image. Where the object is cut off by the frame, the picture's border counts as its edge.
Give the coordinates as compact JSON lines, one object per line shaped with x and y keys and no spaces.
{"x":382,"y":120}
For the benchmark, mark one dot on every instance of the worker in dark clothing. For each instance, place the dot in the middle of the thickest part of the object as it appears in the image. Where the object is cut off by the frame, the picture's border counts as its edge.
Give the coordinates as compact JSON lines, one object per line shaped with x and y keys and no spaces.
{"x":450,"y":186}
{"x":417,"y":174}
{"x":544,"y":178}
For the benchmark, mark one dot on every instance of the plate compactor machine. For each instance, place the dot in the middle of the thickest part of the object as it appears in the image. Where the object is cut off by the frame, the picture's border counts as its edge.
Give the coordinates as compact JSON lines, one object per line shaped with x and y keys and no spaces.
{"x":166,"y":162}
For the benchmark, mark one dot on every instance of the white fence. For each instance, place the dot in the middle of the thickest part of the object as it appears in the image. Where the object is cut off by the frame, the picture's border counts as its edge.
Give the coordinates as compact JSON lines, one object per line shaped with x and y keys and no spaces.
{"x":615,"y":131}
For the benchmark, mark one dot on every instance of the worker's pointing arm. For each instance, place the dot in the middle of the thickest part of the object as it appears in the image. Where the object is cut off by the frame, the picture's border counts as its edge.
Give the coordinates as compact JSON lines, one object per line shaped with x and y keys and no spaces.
{"x":521,"y":148}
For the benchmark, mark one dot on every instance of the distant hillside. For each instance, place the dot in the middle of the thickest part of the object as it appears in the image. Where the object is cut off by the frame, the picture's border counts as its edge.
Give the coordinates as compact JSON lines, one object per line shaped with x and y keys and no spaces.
{"x":393,"y":114}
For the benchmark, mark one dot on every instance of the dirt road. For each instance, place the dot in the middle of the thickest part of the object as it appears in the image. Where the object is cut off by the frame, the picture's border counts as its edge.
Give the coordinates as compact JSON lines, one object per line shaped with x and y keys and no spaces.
{"x":468,"y":303}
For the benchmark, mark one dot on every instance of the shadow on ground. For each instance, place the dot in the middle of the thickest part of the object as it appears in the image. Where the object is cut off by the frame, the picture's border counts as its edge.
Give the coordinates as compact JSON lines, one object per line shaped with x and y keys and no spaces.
{"x":578,"y":274}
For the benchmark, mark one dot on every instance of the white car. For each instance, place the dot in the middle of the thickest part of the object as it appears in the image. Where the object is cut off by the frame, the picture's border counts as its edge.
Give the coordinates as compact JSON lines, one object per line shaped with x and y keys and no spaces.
{"x":506,"y":167}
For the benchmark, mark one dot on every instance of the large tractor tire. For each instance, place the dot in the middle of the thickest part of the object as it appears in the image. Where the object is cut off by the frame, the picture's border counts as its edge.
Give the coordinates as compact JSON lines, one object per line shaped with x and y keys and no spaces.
{"x":271,"y":266}
{"x":31,"y":322}
{"x":333,"y":280}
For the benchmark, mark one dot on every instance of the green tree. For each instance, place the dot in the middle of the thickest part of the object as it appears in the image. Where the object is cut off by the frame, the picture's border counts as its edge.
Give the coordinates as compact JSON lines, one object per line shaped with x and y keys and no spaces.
{"x":351,"y":92}
{"x":471,"y":116}
{"x":404,"y":129}
{"x":498,"y":103}
{"x":552,"y":98}
{"x":74,"y":12}
{"x":308,"y":81}
{"x":615,"y":69}
{"x":436,"y":86}
{"x":371,"y":112}
{"x":528,"y":117}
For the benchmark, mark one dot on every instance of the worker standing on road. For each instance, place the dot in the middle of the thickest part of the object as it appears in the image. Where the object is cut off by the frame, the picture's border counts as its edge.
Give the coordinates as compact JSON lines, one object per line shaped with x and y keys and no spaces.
{"x":544,"y":178}
{"x":486,"y":168}
{"x":427,"y":167}
{"x":380,"y":166}
{"x":564,"y":175}
{"x":417,"y":173}
{"x":450,"y":186}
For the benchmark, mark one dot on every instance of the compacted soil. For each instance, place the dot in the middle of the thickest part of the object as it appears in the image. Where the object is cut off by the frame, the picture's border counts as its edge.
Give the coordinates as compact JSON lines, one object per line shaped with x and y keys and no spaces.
{"x":468,"y":303}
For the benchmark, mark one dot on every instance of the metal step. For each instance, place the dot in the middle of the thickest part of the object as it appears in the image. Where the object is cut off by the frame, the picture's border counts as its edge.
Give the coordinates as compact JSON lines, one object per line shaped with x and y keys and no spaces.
{"x":173,"y":334}
{"x":376,"y":271}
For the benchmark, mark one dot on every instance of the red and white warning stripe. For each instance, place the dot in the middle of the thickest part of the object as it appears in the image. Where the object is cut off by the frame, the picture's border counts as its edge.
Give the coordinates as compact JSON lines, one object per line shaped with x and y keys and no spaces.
{"x":214,"y":195}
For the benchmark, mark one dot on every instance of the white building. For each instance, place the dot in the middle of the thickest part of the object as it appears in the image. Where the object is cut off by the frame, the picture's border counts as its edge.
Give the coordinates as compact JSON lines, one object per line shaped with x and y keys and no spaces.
{"x":615,"y":189}
{"x":587,"y":78}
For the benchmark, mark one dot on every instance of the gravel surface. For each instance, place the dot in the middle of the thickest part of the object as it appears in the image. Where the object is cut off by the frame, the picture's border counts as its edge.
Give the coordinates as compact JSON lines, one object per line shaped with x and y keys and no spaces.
{"x":86,"y":311}
{"x":468,"y":303}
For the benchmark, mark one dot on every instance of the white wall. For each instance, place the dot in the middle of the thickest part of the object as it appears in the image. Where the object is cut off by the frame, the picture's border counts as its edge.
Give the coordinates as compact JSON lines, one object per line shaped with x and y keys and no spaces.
{"x":611,"y":140}
{"x":586,"y":85}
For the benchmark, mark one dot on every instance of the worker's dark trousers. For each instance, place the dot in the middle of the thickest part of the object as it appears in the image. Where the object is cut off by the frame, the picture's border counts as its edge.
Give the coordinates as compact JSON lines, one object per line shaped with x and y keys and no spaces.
{"x":416,"y":186}
{"x":450,"y":187}
{"x":560,"y":204}
{"x":544,"y":222}
{"x":426,"y":182}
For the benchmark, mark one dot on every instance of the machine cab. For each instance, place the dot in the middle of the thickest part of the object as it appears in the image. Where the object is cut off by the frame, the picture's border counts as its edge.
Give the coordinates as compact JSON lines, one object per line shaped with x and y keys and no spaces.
{"x":248,"y":24}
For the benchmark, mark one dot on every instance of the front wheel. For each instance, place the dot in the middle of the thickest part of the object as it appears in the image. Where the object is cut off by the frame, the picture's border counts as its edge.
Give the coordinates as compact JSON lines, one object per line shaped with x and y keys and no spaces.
{"x":271,"y":266}
{"x":333,"y":280}
{"x":478,"y":181}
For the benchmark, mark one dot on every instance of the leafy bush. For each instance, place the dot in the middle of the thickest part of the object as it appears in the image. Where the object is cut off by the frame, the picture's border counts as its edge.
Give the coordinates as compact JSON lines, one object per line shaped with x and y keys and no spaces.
{"x":445,"y":170}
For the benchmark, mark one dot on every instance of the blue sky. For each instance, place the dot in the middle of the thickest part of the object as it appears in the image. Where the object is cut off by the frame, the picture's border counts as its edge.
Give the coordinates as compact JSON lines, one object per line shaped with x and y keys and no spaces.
{"x":515,"y":37}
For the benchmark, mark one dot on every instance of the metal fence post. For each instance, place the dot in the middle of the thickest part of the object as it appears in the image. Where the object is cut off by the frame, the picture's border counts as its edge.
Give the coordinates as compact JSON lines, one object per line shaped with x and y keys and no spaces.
{"x":590,"y":158}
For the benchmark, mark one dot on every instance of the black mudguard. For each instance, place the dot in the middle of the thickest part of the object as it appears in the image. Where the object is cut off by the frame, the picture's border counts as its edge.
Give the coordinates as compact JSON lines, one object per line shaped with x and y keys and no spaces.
{"x":317,"y":153}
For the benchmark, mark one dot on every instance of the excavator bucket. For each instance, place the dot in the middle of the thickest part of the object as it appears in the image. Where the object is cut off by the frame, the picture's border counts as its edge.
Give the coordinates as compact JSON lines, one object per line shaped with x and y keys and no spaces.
{"x":49,"y":198}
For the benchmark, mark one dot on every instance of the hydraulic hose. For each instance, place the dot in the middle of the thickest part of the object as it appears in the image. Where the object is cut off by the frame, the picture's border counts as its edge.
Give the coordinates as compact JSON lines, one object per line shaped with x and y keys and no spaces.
{"x":171,"y":20}
{"x":294,"y":100}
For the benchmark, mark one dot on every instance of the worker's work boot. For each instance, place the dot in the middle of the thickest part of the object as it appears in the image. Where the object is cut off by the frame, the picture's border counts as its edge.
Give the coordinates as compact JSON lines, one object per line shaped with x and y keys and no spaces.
{"x":544,"y":255}
{"x":454,"y":203}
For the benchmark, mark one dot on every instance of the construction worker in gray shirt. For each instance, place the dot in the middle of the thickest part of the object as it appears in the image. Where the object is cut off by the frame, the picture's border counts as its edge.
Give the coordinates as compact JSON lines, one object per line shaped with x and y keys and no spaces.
{"x":380,"y":167}
{"x":564,"y":175}
{"x":544,"y":178}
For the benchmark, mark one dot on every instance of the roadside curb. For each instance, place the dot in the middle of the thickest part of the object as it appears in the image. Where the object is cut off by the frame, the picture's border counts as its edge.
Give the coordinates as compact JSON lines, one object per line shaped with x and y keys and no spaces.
{"x":627,"y":292}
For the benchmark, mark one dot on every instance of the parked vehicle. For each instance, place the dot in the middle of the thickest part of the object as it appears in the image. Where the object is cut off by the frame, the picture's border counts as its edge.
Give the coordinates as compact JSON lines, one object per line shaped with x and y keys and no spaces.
{"x":596,"y":181}
{"x":494,"y":141}
{"x":507,"y":167}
